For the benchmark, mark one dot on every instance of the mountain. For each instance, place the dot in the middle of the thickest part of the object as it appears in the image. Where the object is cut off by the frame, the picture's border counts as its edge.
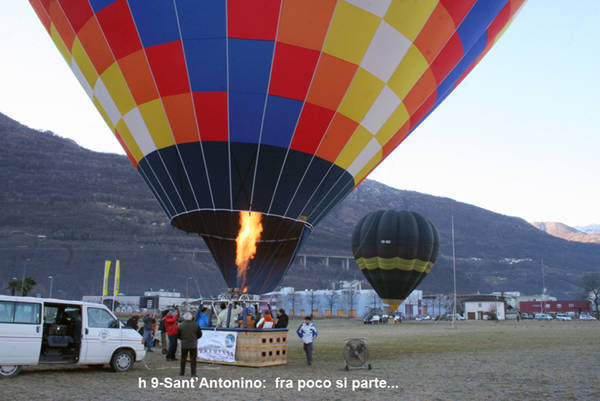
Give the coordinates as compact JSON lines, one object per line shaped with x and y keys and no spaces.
{"x":65,"y":210}
{"x":569,"y":233}
{"x":590,"y":229}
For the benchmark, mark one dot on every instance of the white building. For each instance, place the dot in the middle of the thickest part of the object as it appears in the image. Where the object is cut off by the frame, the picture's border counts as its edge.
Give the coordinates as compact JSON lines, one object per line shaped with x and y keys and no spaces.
{"x":483,"y":310}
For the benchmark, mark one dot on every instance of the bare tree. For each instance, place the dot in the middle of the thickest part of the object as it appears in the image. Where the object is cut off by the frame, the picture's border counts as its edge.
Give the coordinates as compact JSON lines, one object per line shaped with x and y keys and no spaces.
{"x":279,"y":301}
{"x":313,"y":301}
{"x":292,"y":296}
{"x":351,"y":296}
{"x":591,"y":287}
{"x":331,"y":301}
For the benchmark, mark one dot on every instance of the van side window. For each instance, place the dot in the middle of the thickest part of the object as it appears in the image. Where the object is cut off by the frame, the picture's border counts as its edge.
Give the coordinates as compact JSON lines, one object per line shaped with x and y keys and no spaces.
{"x":27,"y":313}
{"x":101,"y":319}
{"x":19,"y":312}
{"x":7,"y":311}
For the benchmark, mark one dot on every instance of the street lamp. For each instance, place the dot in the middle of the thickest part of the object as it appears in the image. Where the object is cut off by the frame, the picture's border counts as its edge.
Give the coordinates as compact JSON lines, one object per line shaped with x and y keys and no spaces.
{"x":13,"y":288}
{"x":51,"y":282}
{"x":24,"y":272}
{"x":187,"y":281}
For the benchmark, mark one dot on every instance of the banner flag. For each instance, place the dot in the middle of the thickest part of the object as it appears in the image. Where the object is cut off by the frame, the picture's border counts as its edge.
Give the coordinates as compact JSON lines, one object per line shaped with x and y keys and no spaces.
{"x":117,"y":278}
{"x":105,"y":282}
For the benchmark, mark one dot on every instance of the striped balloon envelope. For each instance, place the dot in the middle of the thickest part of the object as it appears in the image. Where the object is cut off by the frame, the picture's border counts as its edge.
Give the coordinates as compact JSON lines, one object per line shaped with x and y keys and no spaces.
{"x":395,"y":251}
{"x":279,"y":107}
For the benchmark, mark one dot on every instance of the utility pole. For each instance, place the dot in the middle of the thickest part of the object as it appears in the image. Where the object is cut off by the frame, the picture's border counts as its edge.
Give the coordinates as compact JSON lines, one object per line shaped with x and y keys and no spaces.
{"x":543,"y":286}
{"x":454,"y":273}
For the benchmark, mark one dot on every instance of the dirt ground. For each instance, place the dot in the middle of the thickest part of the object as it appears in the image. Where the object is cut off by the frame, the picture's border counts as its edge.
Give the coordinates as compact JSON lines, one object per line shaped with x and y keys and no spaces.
{"x":529,"y":360}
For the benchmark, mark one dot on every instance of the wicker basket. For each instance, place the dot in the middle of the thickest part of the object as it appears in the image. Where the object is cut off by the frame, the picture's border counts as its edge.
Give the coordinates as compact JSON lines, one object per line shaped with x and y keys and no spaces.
{"x":255,"y":347}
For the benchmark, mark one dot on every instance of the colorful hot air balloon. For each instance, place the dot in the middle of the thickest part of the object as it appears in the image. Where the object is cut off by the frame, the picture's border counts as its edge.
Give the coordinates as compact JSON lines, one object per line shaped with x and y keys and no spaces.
{"x":279,"y":107}
{"x":395,"y":250}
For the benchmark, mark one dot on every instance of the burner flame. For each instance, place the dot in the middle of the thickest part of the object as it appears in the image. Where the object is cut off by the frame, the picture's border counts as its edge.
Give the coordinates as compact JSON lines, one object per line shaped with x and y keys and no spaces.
{"x":248,"y":236}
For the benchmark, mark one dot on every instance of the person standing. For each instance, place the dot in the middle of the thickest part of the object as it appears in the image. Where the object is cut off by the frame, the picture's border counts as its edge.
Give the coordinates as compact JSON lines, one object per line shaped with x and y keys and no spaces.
{"x":202,"y":318}
{"x":282,"y":320}
{"x":148,"y":321}
{"x":236,"y":314}
{"x":307,"y":331}
{"x":132,"y":322}
{"x":266,"y":322}
{"x":171,"y":328}
{"x":189,"y":332}
{"x":222,"y":316}
{"x":163,"y":332}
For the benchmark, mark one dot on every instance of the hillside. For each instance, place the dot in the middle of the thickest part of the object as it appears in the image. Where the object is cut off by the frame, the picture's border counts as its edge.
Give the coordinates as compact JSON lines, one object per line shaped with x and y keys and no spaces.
{"x":65,"y":209}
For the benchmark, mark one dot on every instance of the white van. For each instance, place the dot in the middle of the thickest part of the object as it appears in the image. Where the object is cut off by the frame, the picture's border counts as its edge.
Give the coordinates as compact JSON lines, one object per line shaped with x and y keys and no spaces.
{"x":41,"y":330}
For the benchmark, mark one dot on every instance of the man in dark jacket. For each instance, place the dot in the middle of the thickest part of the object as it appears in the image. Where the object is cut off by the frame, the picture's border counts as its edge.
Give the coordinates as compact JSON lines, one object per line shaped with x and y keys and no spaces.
{"x":148,"y":330}
{"x":132,"y":322}
{"x":282,"y":320}
{"x":189,"y":332}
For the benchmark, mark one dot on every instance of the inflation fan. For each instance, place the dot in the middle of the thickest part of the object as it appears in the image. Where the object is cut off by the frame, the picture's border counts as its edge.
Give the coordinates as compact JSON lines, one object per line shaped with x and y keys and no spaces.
{"x":356,"y":353}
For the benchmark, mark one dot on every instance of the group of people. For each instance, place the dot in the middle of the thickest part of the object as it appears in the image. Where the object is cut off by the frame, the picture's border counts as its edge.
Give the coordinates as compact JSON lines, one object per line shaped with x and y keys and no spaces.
{"x":170,"y":326}
{"x":254,"y":318}
{"x":189,"y":330}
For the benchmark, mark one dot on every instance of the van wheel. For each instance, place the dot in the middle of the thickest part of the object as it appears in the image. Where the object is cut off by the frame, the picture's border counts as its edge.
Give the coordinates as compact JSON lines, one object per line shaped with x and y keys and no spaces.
{"x":8,"y":371}
{"x":122,"y":361}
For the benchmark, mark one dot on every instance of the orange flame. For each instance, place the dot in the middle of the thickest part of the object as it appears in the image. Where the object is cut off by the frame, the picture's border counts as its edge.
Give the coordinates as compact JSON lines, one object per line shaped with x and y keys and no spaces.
{"x":250,"y":230}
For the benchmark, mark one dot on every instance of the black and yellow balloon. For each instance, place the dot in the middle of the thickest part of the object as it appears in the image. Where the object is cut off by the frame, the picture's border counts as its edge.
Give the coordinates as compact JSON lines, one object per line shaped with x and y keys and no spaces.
{"x":395,"y":250}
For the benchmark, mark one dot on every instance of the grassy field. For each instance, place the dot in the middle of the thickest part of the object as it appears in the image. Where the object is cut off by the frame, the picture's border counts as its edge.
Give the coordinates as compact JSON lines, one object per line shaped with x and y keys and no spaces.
{"x":419,"y":361}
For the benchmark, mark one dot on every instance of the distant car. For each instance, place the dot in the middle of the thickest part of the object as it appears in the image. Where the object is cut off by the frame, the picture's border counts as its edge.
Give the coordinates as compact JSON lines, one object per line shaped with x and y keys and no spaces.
{"x":426,"y":317}
{"x":563,"y":317}
{"x":458,"y":316}
{"x":526,"y":316}
{"x":585,"y":316}
{"x":373,"y":319}
{"x":542,"y":316}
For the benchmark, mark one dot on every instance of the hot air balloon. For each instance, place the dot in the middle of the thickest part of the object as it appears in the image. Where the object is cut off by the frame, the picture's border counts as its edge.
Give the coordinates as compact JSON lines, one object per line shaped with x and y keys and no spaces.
{"x":277,"y":108}
{"x":395,"y":250}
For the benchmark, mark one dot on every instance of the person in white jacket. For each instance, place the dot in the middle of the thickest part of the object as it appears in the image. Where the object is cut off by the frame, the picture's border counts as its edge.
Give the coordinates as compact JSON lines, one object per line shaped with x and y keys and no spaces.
{"x":307,"y":331}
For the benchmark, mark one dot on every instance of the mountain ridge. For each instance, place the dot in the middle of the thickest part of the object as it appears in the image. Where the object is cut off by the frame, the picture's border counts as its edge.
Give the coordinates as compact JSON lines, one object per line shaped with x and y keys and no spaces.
{"x":66,"y":209}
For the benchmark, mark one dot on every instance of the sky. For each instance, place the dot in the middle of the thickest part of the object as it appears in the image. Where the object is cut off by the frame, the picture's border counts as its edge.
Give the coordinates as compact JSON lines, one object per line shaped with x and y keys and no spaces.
{"x":520,"y":136}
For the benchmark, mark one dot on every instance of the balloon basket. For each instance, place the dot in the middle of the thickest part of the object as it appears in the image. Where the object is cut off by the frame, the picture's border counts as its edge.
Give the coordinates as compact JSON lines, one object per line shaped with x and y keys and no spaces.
{"x":252,"y":347}
{"x":257,"y":348}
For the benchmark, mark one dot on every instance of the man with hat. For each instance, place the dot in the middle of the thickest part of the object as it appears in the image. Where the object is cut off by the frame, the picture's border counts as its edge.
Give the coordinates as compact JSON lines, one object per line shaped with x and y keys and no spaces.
{"x":189,"y":333}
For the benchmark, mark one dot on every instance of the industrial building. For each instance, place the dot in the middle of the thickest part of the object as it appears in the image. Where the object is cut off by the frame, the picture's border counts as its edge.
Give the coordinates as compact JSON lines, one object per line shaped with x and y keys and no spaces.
{"x":348,"y":300}
{"x":573,"y":308}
